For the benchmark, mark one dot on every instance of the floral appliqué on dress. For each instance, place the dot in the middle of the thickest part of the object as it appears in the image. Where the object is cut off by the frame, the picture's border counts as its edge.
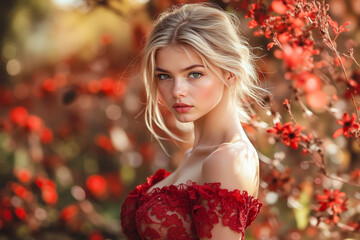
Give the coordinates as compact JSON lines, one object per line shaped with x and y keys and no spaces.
{"x":186,"y":211}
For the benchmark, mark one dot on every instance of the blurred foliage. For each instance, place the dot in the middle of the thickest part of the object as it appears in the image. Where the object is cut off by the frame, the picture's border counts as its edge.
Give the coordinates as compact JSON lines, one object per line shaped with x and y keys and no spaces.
{"x":73,"y":141}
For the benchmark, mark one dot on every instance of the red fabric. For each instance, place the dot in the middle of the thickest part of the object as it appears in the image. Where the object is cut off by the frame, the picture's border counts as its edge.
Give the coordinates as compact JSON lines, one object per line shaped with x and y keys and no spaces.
{"x":184,"y":212}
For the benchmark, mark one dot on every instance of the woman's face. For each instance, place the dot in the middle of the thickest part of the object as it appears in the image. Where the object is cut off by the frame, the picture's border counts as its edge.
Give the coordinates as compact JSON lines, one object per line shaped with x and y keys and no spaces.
{"x":187,"y":88}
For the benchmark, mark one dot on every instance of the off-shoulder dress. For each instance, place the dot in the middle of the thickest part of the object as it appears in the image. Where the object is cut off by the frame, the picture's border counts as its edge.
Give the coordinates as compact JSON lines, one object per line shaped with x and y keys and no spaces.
{"x":185,"y":211}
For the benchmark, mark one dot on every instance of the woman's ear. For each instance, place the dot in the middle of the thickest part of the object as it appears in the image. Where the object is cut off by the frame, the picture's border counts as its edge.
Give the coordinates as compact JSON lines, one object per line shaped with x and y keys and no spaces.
{"x":230,"y":78}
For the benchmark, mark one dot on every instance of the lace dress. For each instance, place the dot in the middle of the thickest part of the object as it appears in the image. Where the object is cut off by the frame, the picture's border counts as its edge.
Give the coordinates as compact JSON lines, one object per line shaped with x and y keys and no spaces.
{"x":186,"y":211}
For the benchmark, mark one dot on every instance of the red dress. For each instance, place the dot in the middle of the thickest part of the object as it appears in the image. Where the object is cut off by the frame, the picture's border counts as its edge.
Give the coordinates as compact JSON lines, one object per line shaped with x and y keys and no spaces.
{"x":186,"y":211}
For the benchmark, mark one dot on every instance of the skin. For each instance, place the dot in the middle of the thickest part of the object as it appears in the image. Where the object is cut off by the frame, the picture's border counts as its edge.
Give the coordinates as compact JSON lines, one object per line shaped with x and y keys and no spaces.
{"x":221,"y":152}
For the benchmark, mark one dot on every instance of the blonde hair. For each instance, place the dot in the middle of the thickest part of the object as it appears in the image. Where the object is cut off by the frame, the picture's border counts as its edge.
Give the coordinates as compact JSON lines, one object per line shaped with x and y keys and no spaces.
{"x":214,"y":35}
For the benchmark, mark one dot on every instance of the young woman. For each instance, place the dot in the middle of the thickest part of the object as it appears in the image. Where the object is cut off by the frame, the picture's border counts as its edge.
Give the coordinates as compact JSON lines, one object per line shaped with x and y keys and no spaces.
{"x":198,"y":65}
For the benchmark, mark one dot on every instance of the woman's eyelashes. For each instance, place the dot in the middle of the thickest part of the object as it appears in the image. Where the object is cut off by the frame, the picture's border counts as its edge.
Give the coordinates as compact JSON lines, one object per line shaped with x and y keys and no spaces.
{"x":192,"y":75}
{"x":163,"y":76}
{"x":195,"y":75}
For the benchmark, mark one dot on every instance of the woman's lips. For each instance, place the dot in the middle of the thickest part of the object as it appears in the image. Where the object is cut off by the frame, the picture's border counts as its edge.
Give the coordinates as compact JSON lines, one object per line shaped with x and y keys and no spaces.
{"x":181,"y":107}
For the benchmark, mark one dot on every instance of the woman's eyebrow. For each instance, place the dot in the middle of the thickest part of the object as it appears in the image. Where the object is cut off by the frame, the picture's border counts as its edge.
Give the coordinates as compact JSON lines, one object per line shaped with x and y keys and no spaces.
{"x":183,"y":70}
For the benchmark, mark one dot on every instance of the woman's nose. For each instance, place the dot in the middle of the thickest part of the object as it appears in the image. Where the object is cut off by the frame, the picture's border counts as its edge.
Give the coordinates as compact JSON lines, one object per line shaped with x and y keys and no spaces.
{"x":179,"y":88}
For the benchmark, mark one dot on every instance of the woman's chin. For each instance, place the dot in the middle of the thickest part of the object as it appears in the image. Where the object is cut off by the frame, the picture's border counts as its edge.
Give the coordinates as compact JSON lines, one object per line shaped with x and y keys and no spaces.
{"x":184,"y":119}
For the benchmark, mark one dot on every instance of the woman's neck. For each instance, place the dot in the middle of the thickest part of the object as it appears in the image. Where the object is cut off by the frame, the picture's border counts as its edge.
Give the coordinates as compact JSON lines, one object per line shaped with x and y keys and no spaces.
{"x":220,"y":125}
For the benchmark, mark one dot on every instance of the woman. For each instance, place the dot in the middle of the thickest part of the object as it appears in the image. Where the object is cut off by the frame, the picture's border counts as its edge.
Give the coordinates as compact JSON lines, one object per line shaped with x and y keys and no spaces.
{"x":196,"y":63}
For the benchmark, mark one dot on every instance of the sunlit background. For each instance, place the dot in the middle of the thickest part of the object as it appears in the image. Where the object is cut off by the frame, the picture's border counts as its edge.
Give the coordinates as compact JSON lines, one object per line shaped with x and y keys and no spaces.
{"x":73,"y":141}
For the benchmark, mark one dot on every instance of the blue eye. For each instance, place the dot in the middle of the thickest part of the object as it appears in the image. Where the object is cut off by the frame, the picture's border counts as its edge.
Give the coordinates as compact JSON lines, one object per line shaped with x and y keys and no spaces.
{"x":195,"y":75}
{"x":163,"y":76}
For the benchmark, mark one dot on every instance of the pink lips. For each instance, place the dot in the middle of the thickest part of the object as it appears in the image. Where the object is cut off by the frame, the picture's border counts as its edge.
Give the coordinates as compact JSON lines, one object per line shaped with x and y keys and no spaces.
{"x":181,"y":107}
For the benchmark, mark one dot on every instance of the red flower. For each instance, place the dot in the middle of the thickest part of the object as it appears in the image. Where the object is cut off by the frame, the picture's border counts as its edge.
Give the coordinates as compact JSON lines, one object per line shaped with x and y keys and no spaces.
{"x":20,"y":213}
{"x":49,"y":85}
{"x":355,"y":175}
{"x":34,"y":123}
{"x":332,"y":200}
{"x":95,"y":235}
{"x":23,"y":175}
{"x":19,"y":115}
{"x":46,"y":135}
{"x":291,"y":136}
{"x":280,"y":181}
{"x":69,"y":213}
{"x":105,"y":143}
{"x":48,"y":190}
{"x":97,"y":186}
{"x":336,"y":29}
{"x":279,"y":7}
{"x":259,"y":13}
{"x":349,"y":126}
{"x":295,"y":56}
{"x":277,"y":129}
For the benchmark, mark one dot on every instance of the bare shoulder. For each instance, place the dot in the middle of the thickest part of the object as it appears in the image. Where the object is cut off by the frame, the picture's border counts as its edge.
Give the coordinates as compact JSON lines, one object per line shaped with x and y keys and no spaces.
{"x":235,"y":166}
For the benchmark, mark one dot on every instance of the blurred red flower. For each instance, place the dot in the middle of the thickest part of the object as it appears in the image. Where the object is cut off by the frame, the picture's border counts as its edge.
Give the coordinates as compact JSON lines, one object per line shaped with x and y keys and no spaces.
{"x":280,"y":181}
{"x":46,"y":135}
{"x":332,"y":200}
{"x":33,"y":123}
{"x":49,"y":85}
{"x":97,"y":186}
{"x":7,"y":215}
{"x":105,"y":143}
{"x":336,"y":29}
{"x":355,"y":175}
{"x":279,"y":7}
{"x":95,"y":235}
{"x":69,"y":213}
{"x":19,"y":115}
{"x":349,"y":126}
{"x":48,"y":190}
{"x":23,"y":175}
{"x":20,"y":213}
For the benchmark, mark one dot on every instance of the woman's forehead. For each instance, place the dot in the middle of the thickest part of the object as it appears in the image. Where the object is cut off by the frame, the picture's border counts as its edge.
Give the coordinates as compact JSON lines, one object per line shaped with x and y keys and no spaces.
{"x":176,"y":57}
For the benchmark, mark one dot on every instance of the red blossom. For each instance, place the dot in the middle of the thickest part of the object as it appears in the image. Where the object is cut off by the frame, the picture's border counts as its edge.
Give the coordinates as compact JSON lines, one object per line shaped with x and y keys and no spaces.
{"x":336,"y":29}
{"x":105,"y":143}
{"x":280,"y":181}
{"x":349,"y":126}
{"x":291,"y":135}
{"x":18,"y":115}
{"x":259,"y":12}
{"x":46,"y":135}
{"x":48,"y":190}
{"x":23,"y":175}
{"x":95,"y":235}
{"x":332,"y":200}
{"x":295,"y":56}
{"x":69,"y":213}
{"x":286,"y":104}
{"x":20,"y":213}
{"x":279,"y":6}
{"x":7,"y":215}
{"x":97,"y":186}
{"x":353,"y":84}
{"x":49,"y":85}
{"x":277,"y":129}
{"x":355,"y":175}
{"x":33,"y":123}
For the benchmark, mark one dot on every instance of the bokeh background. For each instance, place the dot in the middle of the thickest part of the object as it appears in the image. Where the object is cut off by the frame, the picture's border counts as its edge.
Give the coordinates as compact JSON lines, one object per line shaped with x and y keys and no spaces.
{"x":73,"y":141}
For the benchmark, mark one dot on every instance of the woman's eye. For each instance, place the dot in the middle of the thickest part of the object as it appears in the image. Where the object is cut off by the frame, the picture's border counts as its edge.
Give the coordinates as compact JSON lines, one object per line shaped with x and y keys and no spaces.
{"x":163,"y":76}
{"x":195,"y":75}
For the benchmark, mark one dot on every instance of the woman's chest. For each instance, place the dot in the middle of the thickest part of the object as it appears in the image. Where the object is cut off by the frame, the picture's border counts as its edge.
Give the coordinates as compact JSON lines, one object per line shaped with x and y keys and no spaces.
{"x":165,"y":214}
